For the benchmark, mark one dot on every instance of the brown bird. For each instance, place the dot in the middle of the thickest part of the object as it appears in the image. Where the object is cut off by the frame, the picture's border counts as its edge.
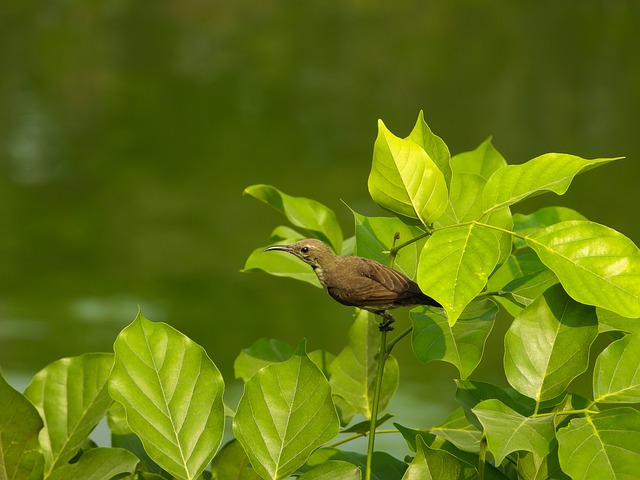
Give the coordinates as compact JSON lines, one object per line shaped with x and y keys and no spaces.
{"x":357,"y":281}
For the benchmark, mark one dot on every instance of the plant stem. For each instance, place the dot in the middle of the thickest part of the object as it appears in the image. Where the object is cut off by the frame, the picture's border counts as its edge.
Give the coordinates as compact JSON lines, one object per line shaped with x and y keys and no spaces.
{"x":382,"y":358}
{"x":394,"y":250}
{"x":482,"y":457}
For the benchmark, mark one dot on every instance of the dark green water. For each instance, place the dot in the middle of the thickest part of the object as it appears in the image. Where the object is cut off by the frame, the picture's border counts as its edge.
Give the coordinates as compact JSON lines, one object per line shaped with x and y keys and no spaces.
{"x":128,"y":131}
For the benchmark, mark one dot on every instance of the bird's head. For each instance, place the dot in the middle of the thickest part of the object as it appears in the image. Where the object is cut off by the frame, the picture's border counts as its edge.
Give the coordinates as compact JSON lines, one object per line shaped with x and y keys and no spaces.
{"x":310,"y":250}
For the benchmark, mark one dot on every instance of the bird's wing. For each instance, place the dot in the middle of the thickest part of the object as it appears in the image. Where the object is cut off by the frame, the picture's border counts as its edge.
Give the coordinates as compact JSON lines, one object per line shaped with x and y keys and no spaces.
{"x":382,"y":285}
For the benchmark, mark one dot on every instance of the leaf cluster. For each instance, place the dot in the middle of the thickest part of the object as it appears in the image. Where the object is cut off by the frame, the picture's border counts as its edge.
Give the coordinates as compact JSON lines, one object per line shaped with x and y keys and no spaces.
{"x":560,"y":280}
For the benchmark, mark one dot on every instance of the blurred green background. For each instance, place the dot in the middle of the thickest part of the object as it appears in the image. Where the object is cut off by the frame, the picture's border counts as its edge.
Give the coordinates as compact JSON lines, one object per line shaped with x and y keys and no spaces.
{"x":128,"y":130}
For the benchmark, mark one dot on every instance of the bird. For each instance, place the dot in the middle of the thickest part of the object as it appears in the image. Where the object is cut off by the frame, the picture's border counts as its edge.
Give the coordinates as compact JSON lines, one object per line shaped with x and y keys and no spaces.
{"x":358,"y":281}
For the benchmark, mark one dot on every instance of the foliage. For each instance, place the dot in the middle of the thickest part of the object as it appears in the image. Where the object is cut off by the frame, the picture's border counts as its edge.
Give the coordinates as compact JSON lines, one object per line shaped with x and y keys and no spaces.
{"x":563,"y":280}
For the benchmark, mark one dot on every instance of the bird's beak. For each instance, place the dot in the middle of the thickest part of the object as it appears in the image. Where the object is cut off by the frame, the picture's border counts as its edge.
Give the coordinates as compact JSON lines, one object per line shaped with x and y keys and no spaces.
{"x":282,"y":248}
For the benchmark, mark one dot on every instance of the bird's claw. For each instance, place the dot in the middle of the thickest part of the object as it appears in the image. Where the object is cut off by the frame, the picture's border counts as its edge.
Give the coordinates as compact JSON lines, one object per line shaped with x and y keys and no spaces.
{"x":386,"y":326}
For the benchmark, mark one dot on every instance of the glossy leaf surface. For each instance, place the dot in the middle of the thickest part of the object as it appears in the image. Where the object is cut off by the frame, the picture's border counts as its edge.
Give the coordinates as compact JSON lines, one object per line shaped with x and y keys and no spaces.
{"x":20,"y":423}
{"x":455,"y":264}
{"x":547,"y":345}
{"x":605,"y":445}
{"x":405,"y":180}
{"x":461,"y":344}
{"x":616,"y":375}
{"x":471,"y":171}
{"x":285,"y":413}
{"x":71,"y":397}
{"x":172,"y":395}
{"x":595,"y":264}
{"x":551,"y":172}
{"x":507,"y":431}
{"x":353,"y":372}
{"x":302,"y":212}
{"x":98,"y":464}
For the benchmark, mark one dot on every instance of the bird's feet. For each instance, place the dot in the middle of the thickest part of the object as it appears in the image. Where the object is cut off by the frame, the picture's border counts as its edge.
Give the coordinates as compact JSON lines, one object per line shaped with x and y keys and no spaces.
{"x":386,"y":325}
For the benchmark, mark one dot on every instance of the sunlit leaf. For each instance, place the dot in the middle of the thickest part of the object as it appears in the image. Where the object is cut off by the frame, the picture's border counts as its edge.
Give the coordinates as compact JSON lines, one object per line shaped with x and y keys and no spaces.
{"x":461,"y":344}
{"x":547,"y":345}
{"x":507,"y":431}
{"x":353,"y":372}
{"x":405,"y":180}
{"x":470,"y":393}
{"x":603,"y":446}
{"x":471,"y":171}
{"x":457,"y":429}
{"x":455,"y":264}
{"x":433,"y":145}
{"x":536,"y":467}
{"x":522,"y":278}
{"x":528,"y":224}
{"x":469,"y":460}
{"x":610,"y":321}
{"x":384,"y":466}
{"x":322,"y":359}
{"x":374,"y":239}
{"x":595,"y":264}
{"x":98,"y":464}
{"x":263,"y":352}
{"x":71,"y":397}
{"x":333,"y":470}
{"x":429,"y":464}
{"x":232,"y":463}
{"x":172,"y":395}
{"x":20,"y":423}
{"x":302,"y":212}
{"x":551,"y":172}
{"x":281,"y":264}
{"x":285,"y":413}
{"x":616,"y":376}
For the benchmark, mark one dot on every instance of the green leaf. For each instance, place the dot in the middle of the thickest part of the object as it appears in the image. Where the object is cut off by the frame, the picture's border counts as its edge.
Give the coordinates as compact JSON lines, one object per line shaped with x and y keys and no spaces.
{"x":98,"y":464}
{"x":405,"y":180}
{"x":433,"y":145}
{"x":471,"y":171}
{"x":547,"y":345}
{"x":374,"y":239}
{"x":522,"y":278}
{"x":507,"y":431}
{"x":595,"y":264}
{"x":431,"y":464}
{"x":455,"y":264}
{"x":172,"y":395}
{"x":470,"y":460}
{"x":263,"y":352}
{"x":616,"y":376}
{"x":470,"y":393}
{"x":544,"y":217}
{"x":302,"y":212}
{"x":285,"y":413}
{"x":71,"y":396}
{"x":322,"y":359}
{"x":551,"y":172}
{"x":535,"y":467}
{"x":232,"y":463}
{"x":384,"y":466}
{"x":461,"y":344}
{"x":20,"y":423}
{"x":353,"y":372}
{"x":602,"y":446}
{"x":457,"y":429}
{"x":609,"y":321}
{"x":333,"y":470}
{"x":280,"y":265}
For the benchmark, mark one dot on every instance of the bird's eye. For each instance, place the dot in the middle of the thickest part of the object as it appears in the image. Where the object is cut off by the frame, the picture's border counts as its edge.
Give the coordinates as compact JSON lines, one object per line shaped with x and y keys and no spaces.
{"x":304,"y":249}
